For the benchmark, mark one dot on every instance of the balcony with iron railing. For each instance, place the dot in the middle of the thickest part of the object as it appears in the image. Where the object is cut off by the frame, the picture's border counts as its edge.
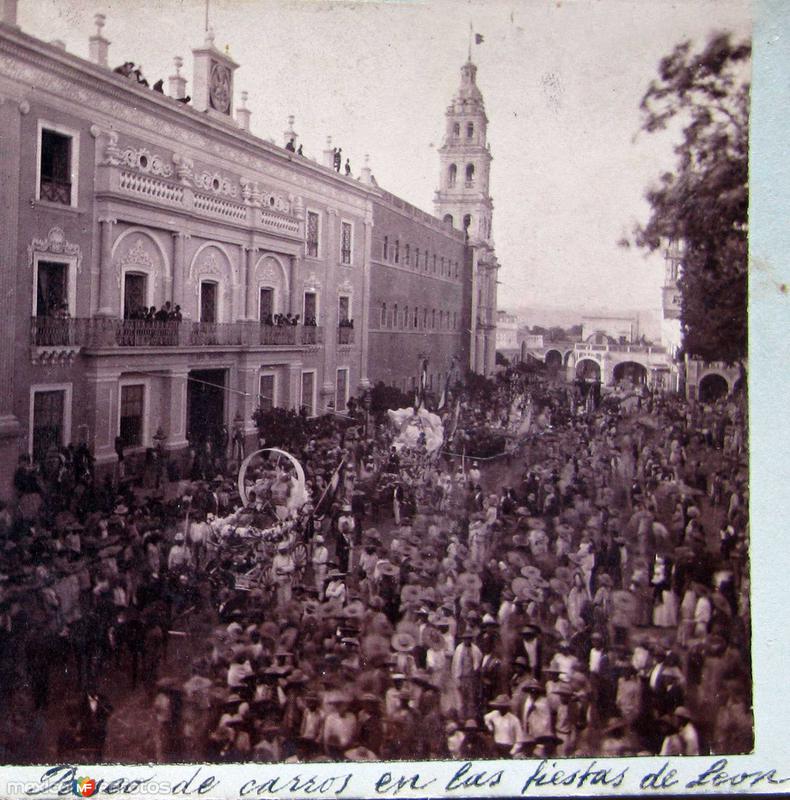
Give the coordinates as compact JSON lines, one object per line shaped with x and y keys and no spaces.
{"x":345,"y":334}
{"x":96,"y":333}
{"x":53,"y":190}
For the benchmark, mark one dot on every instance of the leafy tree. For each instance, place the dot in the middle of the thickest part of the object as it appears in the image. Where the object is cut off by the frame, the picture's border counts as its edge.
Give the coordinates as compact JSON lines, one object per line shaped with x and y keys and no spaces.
{"x":702,"y":205}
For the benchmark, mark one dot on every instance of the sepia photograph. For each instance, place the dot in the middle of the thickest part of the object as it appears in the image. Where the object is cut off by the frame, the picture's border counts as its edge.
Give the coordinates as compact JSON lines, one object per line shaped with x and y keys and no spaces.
{"x":374,"y":381}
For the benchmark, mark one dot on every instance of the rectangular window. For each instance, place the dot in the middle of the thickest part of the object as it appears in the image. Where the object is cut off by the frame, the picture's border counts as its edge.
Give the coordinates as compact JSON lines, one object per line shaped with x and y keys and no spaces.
{"x":433,"y":318}
{"x":343,"y":308}
{"x":208,"y":301}
{"x":310,"y":308}
{"x":425,"y":318}
{"x":395,"y":321}
{"x":48,"y":422}
{"x":55,"y":167}
{"x":407,"y":254}
{"x":313,"y":225}
{"x":434,"y":263}
{"x":417,"y":257}
{"x":131,"y":426}
{"x":426,"y":260}
{"x":397,"y":251}
{"x":386,"y":249}
{"x":266,"y":399}
{"x":341,"y":389}
{"x":442,"y":265}
{"x":416,"y":317}
{"x":308,"y":392}
{"x":383,"y":320}
{"x":345,"y":242}
{"x":51,"y":288}
{"x":456,"y":269}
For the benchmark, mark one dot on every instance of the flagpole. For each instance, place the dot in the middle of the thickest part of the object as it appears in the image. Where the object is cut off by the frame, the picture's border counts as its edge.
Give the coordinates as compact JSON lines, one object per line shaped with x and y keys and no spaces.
{"x":207,"y":2}
{"x":469,"y":56}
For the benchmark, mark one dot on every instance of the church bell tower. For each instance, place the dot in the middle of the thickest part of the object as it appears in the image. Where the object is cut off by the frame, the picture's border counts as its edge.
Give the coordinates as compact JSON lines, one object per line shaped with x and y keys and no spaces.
{"x":463,"y":198}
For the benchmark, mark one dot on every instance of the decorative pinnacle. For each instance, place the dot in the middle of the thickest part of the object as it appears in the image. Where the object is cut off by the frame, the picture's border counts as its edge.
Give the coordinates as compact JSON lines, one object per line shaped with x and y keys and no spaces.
{"x":179,"y":62}
{"x":291,"y":120}
{"x":244,"y":96}
{"x":98,"y":20}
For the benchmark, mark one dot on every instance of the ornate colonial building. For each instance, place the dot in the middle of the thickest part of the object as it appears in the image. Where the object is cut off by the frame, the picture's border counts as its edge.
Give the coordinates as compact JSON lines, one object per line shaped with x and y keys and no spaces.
{"x":115,"y":197}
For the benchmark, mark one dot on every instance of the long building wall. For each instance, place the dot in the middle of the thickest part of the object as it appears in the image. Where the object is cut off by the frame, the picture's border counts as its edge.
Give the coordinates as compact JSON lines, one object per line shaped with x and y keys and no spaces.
{"x":420,"y":296}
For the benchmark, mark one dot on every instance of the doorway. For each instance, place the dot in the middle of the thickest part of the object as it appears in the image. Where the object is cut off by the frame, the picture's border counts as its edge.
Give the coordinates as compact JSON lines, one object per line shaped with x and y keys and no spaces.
{"x":208,"y":301}
{"x":205,"y":404}
{"x":266,"y":305}
{"x":135,"y":295}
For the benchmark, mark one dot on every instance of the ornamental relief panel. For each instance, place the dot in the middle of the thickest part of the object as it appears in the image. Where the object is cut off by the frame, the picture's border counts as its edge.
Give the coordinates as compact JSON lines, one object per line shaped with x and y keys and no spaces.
{"x":139,"y":254}
{"x":55,"y":242}
{"x":138,"y":158}
{"x":216,"y":183}
{"x":254,"y":195}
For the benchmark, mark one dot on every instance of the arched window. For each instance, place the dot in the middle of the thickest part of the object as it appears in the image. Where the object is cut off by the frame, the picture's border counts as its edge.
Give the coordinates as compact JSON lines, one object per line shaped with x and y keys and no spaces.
{"x":467,"y":221}
{"x":383,"y":315}
{"x":470,"y":174}
{"x":470,"y":130}
{"x":456,"y":129}
{"x":449,"y":219}
{"x":406,"y":317}
{"x":395,"y":316}
{"x":452,"y":174}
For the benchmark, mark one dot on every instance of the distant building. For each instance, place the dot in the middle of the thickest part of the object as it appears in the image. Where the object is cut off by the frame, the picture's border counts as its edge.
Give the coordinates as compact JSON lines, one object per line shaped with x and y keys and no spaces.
{"x":621,"y":329}
{"x":507,"y":338}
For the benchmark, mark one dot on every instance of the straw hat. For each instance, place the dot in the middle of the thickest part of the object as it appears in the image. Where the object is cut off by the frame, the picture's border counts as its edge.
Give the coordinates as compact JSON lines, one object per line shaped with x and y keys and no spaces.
{"x":500,"y":701}
{"x":433,"y":638}
{"x":403,"y":642}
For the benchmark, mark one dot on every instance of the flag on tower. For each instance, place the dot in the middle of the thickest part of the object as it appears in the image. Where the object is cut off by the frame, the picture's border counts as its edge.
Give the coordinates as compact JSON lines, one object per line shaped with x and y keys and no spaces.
{"x":478,"y":38}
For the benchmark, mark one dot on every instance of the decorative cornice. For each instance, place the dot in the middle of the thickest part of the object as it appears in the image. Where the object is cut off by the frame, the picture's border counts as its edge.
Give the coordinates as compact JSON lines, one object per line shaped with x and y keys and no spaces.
{"x":55,"y":243}
{"x":76,"y":80}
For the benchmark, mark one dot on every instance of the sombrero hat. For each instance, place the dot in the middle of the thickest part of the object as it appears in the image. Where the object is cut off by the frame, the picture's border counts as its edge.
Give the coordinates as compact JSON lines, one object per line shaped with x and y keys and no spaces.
{"x":433,"y":638}
{"x":531,"y":572}
{"x":410,"y":593}
{"x":469,"y":582}
{"x":500,"y":701}
{"x":387,"y":568}
{"x":403,"y":642}
{"x":355,"y":610}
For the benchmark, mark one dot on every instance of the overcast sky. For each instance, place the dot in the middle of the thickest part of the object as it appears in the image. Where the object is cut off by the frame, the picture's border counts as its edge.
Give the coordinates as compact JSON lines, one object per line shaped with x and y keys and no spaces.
{"x":562,"y":82}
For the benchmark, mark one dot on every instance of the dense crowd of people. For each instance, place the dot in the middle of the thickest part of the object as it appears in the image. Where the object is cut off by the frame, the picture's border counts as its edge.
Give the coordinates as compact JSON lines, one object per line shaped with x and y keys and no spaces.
{"x":585,"y":594}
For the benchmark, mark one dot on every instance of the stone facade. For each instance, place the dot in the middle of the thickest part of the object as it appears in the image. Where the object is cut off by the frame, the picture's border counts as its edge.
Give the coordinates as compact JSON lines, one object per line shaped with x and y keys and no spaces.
{"x":420,"y":296}
{"x":154,"y":199}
